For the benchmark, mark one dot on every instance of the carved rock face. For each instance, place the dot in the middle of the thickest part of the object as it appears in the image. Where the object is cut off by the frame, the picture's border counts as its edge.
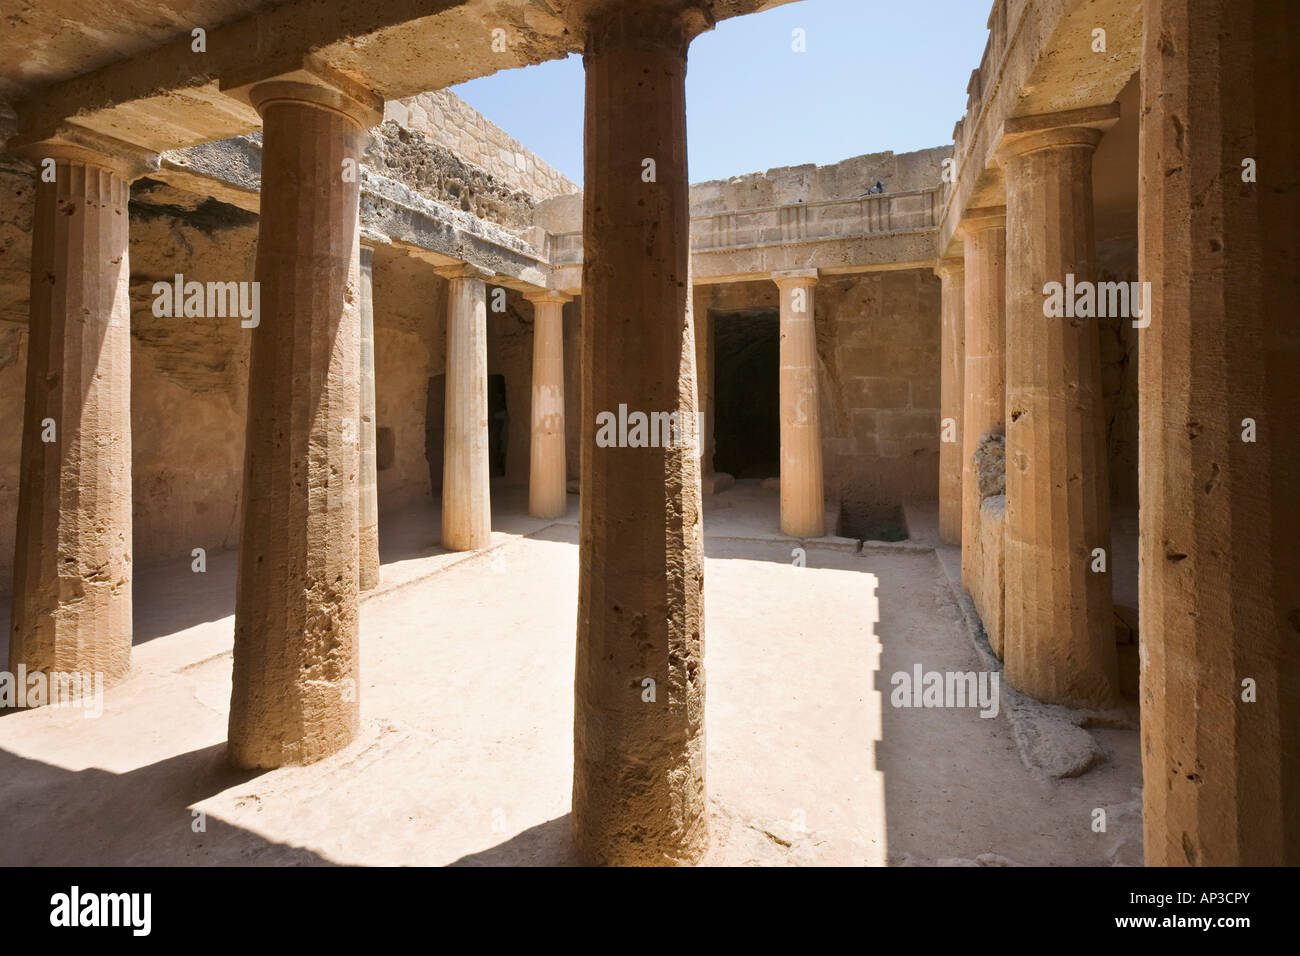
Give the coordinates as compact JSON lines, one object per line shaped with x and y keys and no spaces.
{"x":990,"y":461}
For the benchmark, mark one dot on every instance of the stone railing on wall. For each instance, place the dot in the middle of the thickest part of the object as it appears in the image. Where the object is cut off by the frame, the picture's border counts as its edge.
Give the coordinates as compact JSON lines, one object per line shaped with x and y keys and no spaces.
{"x":800,"y":226}
{"x":810,"y":221}
{"x":447,"y":120}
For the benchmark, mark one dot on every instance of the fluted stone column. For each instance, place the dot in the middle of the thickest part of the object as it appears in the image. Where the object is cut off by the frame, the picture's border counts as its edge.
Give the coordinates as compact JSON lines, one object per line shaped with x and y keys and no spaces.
{"x":638,"y":778}
{"x":295,"y":694}
{"x":1059,"y":643}
{"x":466,"y":479}
{"x":952,"y":357}
{"x":368,"y":478}
{"x":72,"y":563}
{"x":983,"y":232}
{"x":547,"y":484}
{"x":1220,"y":415}
{"x":803,"y":509}
{"x":700,"y":298}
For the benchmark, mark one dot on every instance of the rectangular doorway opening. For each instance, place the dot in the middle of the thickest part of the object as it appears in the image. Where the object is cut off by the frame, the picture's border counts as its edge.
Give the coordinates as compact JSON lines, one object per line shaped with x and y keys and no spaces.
{"x":747,"y":392}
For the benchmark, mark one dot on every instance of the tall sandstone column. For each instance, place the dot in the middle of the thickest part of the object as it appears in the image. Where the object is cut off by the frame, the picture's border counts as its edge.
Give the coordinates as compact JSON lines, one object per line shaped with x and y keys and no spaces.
{"x":466,"y":478}
{"x":295,"y":694}
{"x":984,"y":236}
{"x":1059,"y":643}
{"x":1220,"y":518}
{"x":547,"y":484}
{"x":638,"y":777}
{"x":952,"y":357}
{"x":803,"y":509}
{"x":72,"y":563}
{"x":368,"y":479}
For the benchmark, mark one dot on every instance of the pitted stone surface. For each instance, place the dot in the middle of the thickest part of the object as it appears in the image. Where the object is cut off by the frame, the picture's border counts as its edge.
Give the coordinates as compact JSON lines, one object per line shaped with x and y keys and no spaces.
{"x":990,"y":465}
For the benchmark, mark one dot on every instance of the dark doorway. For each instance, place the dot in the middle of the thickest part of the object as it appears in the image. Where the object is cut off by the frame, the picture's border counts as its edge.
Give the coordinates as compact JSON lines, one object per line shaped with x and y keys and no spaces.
{"x":498,"y":425}
{"x":434,"y":412}
{"x":747,"y":392}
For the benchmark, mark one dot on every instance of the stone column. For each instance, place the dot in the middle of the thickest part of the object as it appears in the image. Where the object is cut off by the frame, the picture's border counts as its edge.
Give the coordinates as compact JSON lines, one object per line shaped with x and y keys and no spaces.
{"x":638,"y":777}
{"x":466,"y":479}
{"x":1220,"y":415}
{"x":803,"y":509}
{"x":1059,"y":643}
{"x":983,"y":232}
{"x":701,"y":296}
{"x":72,"y":563}
{"x":368,"y":479}
{"x":952,"y":357}
{"x":295,"y":694}
{"x":547,"y":484}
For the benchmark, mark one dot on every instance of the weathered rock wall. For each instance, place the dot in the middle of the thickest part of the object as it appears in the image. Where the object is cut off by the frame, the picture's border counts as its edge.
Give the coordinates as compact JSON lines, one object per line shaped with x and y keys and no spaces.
{"x":450,"y":122}
{"x":189,"y":376}
{"x":410,"y":303}
{"x":427,"y":167}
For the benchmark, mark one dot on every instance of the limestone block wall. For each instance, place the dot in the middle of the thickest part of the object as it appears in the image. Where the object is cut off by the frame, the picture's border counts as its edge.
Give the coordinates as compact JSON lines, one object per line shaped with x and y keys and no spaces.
{"x":449,"y":121}
{"x":879,"y":344}
{"x":848,"y":179}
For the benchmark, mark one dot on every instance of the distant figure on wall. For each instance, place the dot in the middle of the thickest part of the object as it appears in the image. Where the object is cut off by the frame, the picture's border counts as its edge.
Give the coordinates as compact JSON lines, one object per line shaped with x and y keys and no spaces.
{"x":877,"y":188}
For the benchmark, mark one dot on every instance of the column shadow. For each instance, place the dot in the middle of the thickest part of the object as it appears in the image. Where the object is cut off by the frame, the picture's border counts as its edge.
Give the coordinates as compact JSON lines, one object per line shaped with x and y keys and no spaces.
{"x":58,"y":817}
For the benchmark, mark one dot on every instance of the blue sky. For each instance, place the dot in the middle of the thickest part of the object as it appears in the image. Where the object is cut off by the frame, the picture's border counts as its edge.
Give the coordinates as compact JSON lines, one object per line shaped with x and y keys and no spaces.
{"x":876,"y":75}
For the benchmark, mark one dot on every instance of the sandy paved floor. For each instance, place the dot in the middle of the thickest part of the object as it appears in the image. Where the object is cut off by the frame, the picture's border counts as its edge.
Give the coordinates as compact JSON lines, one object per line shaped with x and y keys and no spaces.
{"x":467,"y":667}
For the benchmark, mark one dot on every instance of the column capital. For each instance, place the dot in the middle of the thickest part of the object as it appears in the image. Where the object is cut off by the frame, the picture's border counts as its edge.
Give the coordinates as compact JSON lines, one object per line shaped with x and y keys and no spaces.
{"x":547,"y":295}
{"x":1082,"y":127}
{"x":670,"y":27}
{"x":949,"y":266}
{"x":463,"y":270}
{"x":307,"y":82}
{"x":795,"y":277}
{"x":980,"y":218}
{"x":373,"y":240}
{"x":76,"y":145}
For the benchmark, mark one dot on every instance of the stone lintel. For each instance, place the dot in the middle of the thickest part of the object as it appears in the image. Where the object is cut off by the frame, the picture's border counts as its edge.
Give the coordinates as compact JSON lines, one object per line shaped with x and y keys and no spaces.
{"x":795,"y":276}
{"x":547,"y":295}
{"x":373,"y":240}
{"x":75,"y":144}
{"x":463,"y":270}
{"x":949,"y":266}
{"x":981,"y":218}
{"x":300,"y":79}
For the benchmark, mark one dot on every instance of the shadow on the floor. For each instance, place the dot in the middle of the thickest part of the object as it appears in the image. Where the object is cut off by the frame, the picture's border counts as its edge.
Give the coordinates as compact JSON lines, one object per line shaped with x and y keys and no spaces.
{"x":169,"y":596}
{"x":57,"y":817}
{"x":546,"y":844}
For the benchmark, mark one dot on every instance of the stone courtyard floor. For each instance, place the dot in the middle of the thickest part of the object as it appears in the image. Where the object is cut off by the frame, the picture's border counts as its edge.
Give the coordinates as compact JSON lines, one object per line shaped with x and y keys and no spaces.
{"x":467,"y":709}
